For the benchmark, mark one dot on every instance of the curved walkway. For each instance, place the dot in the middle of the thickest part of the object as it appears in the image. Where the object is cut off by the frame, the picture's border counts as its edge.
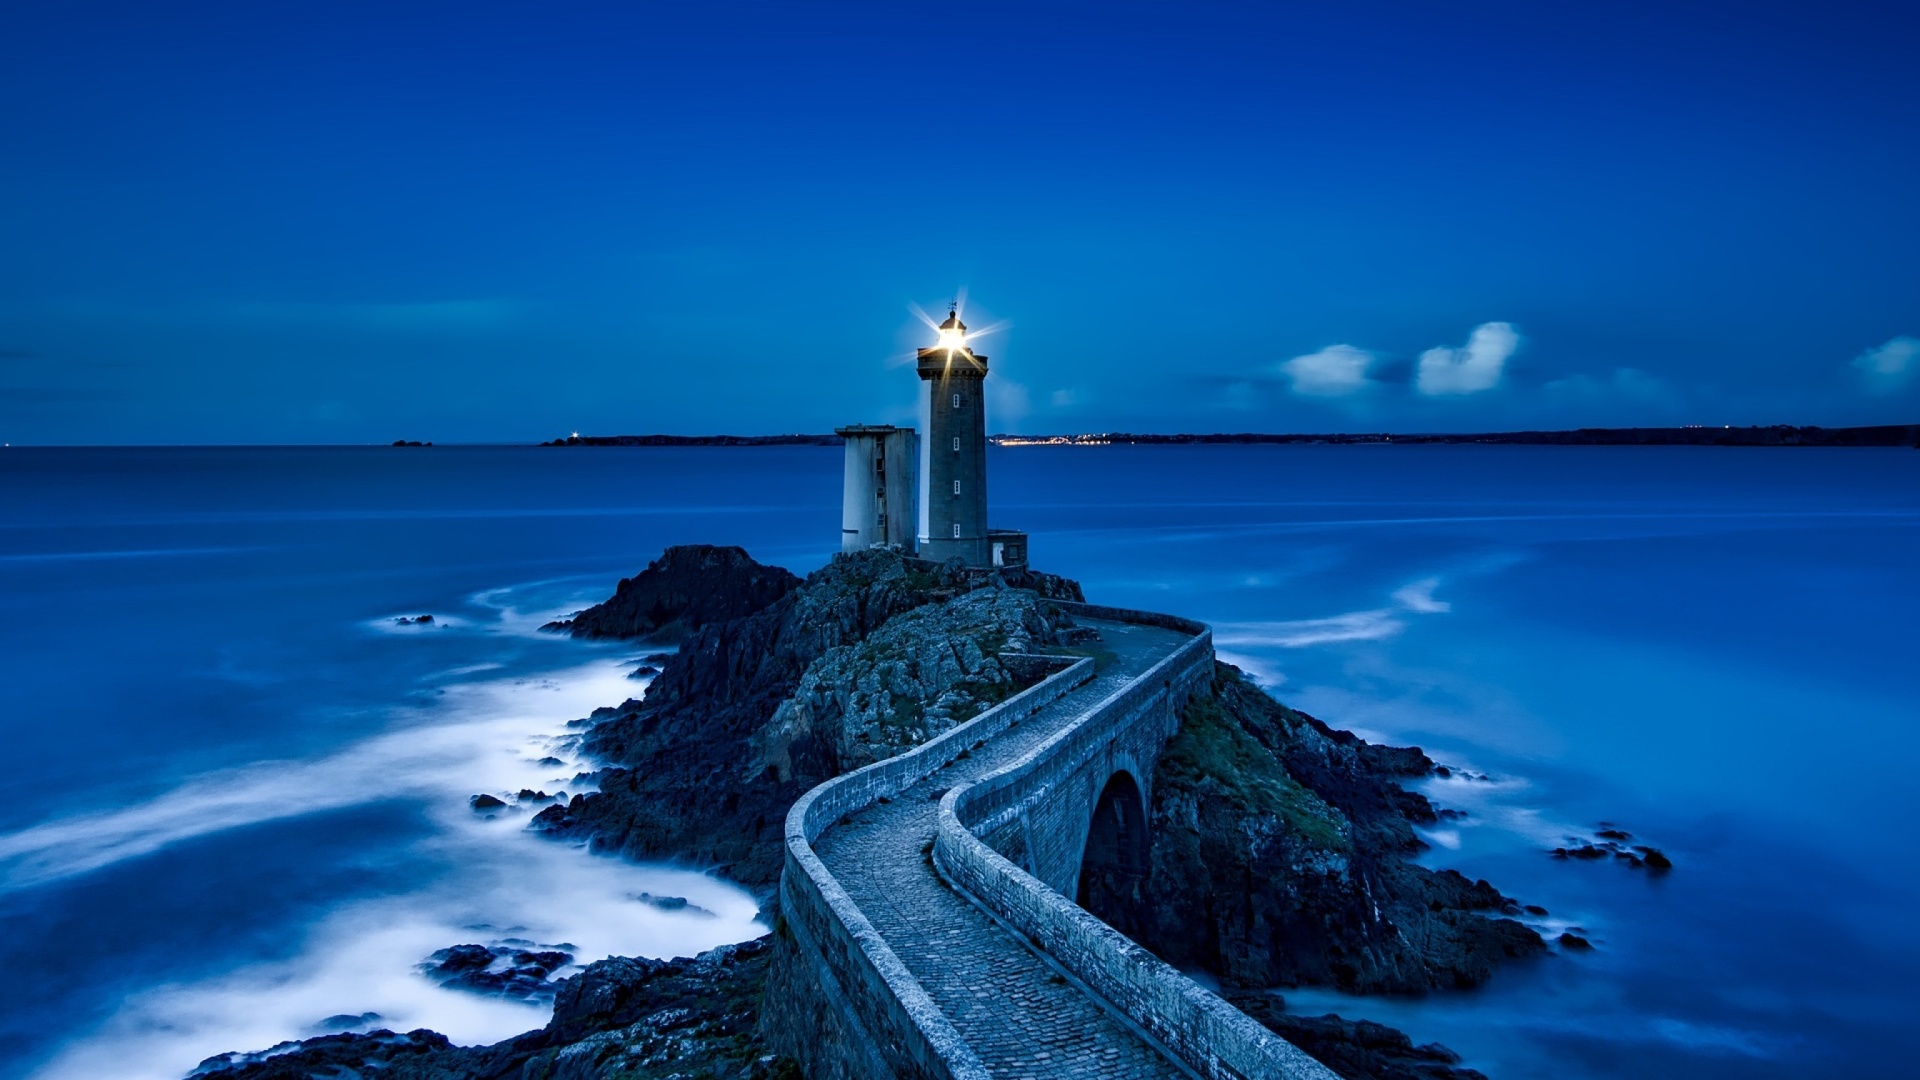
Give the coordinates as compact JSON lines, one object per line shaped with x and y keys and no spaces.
{"x":1013,"y":1008}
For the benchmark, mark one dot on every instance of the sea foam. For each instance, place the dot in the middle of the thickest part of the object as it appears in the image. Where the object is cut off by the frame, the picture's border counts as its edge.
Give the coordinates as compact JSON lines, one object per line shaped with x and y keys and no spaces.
{"x":499,"y":736}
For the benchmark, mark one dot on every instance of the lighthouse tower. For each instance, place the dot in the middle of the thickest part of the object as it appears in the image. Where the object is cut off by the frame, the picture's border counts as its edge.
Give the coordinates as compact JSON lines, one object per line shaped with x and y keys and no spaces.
{"x":954,"y":457}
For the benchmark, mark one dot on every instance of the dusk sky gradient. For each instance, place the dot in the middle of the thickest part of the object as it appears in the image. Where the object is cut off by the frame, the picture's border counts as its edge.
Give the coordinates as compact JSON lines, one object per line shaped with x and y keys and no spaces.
{"x":338,"y":222}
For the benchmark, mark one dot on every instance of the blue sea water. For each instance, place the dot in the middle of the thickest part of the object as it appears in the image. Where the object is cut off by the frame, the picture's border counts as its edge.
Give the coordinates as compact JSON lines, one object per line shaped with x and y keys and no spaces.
{"x":238,"y":796}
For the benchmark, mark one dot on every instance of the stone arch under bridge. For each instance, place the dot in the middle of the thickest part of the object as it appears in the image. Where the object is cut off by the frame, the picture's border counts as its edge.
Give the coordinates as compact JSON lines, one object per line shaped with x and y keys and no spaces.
{"x":1115,"y":858}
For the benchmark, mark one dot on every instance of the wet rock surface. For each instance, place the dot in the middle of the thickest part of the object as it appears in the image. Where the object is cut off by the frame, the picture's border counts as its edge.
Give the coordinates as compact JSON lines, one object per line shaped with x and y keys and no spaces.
{"x":1282,"y":856}
{"x":1356,"y":1049}
{"x":513,"y":969}
{"x":328,"y":1056}
{"x":1612,"y":842}
{"x":620,"y":1018}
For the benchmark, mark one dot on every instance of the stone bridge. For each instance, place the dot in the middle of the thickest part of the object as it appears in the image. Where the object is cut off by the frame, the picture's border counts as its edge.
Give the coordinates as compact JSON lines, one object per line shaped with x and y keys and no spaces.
{"x":931,"y":903}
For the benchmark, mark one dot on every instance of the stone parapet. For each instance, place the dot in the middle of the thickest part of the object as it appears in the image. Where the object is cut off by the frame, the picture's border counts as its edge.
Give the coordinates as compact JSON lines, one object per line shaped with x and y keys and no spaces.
{"x":1193,"y":1025}
{"x":897,"y":1029}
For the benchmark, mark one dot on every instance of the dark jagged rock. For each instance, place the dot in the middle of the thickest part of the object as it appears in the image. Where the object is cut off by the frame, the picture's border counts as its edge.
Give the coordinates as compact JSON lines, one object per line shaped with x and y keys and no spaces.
{"x":484,"y":803}
{"x":1356,"y":1049}
{"x":683,"y":590}
{"x":644,"y":671}
{"x":624,"y":1018}
{"x":510,"y":970}
{"x":672,"y":904}
{"x":1612,"y":844}
{"x":1281,"y":857}
{"x":1575,"y":942}
{"x":752,"y":712}
{"x":329,"y":1056}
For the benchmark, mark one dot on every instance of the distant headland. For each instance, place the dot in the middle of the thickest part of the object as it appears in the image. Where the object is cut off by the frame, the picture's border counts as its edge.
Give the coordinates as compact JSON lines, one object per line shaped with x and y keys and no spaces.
{"x":1770,"y":435}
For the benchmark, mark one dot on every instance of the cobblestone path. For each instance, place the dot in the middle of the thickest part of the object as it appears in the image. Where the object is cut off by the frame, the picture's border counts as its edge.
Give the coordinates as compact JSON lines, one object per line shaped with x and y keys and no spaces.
{"x":1018,"y":1014}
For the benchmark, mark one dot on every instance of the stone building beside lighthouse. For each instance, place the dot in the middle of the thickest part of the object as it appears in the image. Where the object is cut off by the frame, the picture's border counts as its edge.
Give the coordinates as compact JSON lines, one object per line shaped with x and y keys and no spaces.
{"x":952,"y":468}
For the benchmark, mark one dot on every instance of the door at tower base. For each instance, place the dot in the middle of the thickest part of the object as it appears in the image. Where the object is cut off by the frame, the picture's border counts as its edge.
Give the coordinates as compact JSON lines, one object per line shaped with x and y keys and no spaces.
{"x":877,"y":504}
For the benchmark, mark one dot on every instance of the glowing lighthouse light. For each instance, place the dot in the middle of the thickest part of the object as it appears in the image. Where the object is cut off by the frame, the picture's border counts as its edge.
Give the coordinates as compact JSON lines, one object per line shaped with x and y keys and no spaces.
{"x":953,"y":334}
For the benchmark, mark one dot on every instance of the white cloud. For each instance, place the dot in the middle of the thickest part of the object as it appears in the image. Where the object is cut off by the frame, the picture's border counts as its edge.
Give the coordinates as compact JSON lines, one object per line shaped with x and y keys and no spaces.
{"x":1469,"y":370}
{"x":1334,"y":371}
{"x":1418,"y":596}
{"x":1887,"y":368}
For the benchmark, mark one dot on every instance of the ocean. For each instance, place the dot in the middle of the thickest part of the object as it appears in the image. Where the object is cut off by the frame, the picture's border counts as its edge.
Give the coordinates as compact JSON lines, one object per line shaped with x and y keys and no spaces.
{"x":238,"y":805}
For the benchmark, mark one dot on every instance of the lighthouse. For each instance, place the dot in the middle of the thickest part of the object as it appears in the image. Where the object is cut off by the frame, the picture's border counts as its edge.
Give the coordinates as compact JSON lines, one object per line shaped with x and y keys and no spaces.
{"x":878,"y":498}
{"x":954,"y":457}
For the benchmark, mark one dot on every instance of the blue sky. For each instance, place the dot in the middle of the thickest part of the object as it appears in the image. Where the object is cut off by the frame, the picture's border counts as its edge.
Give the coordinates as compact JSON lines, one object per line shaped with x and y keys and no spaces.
{"x":344,"y":223}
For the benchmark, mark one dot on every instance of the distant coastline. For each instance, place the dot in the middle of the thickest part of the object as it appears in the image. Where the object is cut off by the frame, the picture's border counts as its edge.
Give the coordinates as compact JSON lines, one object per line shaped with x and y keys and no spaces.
{"x":1771,"y":435}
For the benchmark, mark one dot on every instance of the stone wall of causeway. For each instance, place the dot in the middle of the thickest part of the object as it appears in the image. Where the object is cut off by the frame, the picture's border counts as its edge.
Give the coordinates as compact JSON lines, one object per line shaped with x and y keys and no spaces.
{"x":1038,"y":809}
{"x":878,"y":1020}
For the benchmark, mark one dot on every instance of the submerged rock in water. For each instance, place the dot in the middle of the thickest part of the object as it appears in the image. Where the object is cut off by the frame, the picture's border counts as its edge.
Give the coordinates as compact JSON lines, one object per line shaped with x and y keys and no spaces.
{"x":672,"y":904}
{"x":344,"y":1022}
{"x":507,"y":970}
{"x":483,"y":803}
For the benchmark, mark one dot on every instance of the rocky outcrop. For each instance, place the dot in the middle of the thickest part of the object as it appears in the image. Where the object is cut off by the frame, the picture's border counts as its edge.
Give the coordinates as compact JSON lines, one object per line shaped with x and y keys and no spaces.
{"x":623,"y":1018}
{"x":684,"y":589}
{"x":329,"y":1057}
{"x":1281,"y":856}
{"x":917,"y":676}
{"x":513,"y":969}
{"x":1356,"y":1049}
{"x":752,"y":712}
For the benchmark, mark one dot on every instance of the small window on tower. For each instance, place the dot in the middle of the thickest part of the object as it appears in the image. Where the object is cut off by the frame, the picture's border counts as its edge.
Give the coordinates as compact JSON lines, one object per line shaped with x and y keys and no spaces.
{"x":956,"y":530}
{"x":956,"y":444}
{"x":956,"y":401}
{"x":956,"y":487}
